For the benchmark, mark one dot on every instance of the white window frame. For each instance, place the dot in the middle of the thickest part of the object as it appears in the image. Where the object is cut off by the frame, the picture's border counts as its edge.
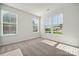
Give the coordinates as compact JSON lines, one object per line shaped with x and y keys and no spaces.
{"x":2,"y":12}
{"x":57,"y":21}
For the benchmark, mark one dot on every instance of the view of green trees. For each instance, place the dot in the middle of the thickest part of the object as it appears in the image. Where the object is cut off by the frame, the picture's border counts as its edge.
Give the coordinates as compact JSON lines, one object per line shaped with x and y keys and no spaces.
{"x":57,"y":29}
{"x":35,"y":22}
{"x":35,"y":27}
{"x":54,"y":25}
{"x":48,"y":30}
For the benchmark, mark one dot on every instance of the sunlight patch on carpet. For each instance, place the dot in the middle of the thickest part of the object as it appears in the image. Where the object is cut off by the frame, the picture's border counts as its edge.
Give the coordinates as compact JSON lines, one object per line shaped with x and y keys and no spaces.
{"x":69,"y":49}
{"x":51,"y":43}
{"x":16,"y":52}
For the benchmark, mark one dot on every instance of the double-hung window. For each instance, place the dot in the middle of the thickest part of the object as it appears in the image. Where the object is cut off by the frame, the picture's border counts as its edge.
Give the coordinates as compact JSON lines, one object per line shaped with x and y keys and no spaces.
{"x":8,"y":23}
{"x":35,"y":23}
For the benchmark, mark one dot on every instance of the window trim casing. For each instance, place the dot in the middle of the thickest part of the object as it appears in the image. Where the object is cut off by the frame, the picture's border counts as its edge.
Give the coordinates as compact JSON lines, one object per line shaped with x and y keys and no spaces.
{"x":37,"y":25}
{"x":3,"y":22}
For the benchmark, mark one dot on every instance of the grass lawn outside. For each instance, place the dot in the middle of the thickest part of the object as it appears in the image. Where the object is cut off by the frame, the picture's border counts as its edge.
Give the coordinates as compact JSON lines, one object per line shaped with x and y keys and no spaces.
{"x":59,"y":33}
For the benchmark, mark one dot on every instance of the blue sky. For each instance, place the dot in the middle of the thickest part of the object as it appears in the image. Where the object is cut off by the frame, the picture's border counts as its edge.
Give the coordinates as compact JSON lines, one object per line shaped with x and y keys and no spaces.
{"x":54,"y":20}
{"x":58,"y":19}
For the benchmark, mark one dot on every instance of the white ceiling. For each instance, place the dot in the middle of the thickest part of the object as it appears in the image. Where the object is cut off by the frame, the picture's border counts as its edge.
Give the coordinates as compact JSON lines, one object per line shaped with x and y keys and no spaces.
{"x":37,"y":8}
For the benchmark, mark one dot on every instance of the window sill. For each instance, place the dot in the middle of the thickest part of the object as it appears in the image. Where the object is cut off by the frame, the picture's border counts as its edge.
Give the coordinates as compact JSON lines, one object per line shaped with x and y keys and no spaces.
{"x":8,"y":34}
{"x":35,"y":32}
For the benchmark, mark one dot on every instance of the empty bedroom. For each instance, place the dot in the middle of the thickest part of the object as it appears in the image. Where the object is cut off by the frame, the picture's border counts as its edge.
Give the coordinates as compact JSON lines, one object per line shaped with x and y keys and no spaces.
{"x":39,"y":29}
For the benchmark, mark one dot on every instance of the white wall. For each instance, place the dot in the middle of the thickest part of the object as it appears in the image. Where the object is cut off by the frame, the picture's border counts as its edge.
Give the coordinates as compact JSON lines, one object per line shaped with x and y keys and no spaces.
{"x":70,"y":25}
{"x":24,"y":27}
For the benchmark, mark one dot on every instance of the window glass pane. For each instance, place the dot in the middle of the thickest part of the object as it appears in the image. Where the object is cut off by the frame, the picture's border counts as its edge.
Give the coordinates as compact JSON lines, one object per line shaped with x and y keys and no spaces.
{"x":57,"y":24}
{"x":9,"y":18}
{"x":35,"y":29}
{"x":48,"y":25}
{"x":9,"y":28}
{"x":13,"y":19}
{"x":35,"y":22}
{"x":6,"y":18}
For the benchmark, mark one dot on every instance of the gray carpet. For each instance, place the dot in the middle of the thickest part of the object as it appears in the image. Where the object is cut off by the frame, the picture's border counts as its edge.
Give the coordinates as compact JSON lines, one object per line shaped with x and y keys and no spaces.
{"x":35,"y":47}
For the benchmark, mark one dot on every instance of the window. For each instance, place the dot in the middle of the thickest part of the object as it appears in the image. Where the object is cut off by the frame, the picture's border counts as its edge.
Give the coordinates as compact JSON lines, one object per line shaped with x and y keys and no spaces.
{"x":47,"y":25}
{"x":54,"y":24}
{"x":8,"y":23}
{"x":35,"y":22}
{"x":57,"y":24}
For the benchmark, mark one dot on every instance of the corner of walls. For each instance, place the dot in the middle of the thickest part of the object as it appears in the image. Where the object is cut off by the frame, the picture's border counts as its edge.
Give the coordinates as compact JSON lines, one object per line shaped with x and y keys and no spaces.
{"x":70,"y":25}
{"x":25,"y":30}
